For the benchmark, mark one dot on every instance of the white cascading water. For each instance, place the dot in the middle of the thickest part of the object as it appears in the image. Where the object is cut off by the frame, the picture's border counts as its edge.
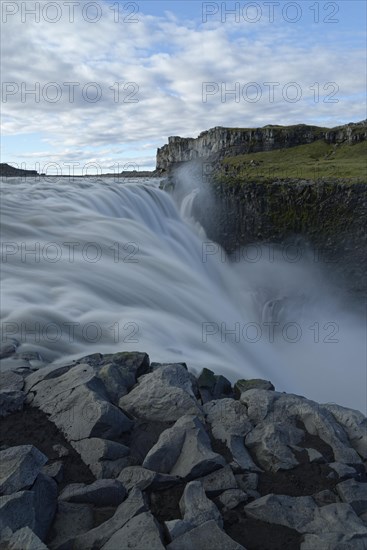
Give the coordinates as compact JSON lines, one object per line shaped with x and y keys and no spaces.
{"x":98,"y":266}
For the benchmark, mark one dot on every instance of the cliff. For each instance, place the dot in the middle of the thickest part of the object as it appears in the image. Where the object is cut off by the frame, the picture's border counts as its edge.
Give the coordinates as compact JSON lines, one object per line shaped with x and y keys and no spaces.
{"x":220,"y":142}
{"x":10,"y":171}
{"x":325,"y":220}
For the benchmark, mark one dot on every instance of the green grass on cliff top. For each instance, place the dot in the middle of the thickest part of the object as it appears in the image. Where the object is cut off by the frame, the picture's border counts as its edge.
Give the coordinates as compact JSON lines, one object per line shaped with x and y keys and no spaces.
{"x":314,"y":161}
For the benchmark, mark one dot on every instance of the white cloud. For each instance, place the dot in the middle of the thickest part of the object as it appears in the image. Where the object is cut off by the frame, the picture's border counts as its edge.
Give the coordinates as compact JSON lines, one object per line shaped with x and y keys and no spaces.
{"x":169,"y":61}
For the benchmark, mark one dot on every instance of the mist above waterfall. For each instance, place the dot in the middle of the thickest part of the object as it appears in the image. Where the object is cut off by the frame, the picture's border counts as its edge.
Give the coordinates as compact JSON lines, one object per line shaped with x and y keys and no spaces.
{"x":95,"y":266}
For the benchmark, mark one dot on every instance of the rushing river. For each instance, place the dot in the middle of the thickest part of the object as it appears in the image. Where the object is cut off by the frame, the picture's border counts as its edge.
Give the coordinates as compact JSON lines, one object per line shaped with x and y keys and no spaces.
{"x":95,"y":265}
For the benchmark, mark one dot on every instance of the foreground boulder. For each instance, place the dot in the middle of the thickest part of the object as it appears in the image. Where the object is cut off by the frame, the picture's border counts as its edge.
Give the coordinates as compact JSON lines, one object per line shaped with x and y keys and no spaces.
{"x":184,"y":450}
{"x":164,"y":395}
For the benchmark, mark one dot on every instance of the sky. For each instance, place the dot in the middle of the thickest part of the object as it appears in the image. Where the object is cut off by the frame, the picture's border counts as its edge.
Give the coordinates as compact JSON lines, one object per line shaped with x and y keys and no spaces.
{"x":90,"y":87}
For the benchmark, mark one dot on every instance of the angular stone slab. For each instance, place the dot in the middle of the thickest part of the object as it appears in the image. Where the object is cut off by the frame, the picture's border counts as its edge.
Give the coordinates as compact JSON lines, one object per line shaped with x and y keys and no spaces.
{"x":19,"y":467}
{"x":72,"y":520}
{"x":25,"y":539}
{"x":184,"y":450}
{"x":17,"y":511}
{"x":142,"y":478}
{"x":230,"y":424}
{"x":11,"y":401}
{"x":354,"y":493}
{"x":196,"y":508}
{"x":103,"y":492}
{"x":140,"y":532}
{"x":271,"y":442}
{"x":219,"y":481}
{"x":78,"y":404}
{"x":354,"y":424}
{"x":95,"y":538}
{"x":105,"y":458}
{"x":45,"y":503}
{"x":232,"y":498}
{"x":164,"y":395}
{"x":207,"y":536}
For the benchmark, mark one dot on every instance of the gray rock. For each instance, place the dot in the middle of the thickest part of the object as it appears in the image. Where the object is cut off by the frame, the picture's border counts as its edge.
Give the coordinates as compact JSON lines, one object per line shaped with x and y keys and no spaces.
{"x":253,"y":383}
{"x":105,"y":458}
{"x":140,"y":532}
{"x":117,"y":381}
{"x":8,"y":348}
{"x":164,"y":395}
{"x":323,"y":498}
{"x":343,"y":471}
{"x":334,"y":541}
{"x":293,"y":512}
{"x":19,"y":467}
{"x":142,"y":478}
{"x":272,"y":407}
{"x":60,"y":450}
{"x":230,"y":424}
{"x":207,"y":536}
{"x":45,"y":503}
{"x":315,"y":456}
{"x":213,"y":386}
{"x":248,"y":481}
{"x":71,"y":521}
{"x":354,"y":424}
{"x":302,"y":514}
{"x":25,"y":539}
{"x":184,"y":450}
{"x":78,"y":404}
{"x":196,"y":508}
{"x":258,"y":403}
{"x":103,"y":492}
{"x":339,"y":524}
{"x":47,"y":373}
{"x":354,"y":493}
{"x":177,"y":527}
{"x":11,"y":381}
{"x":54,"y":470}
{"x":11,"y":401}
{"x":135,"y":362}
{"x":95,"y":538}
{"x":232,"y":498}
{"x":271,"y":442}
{"x":17,"y":511}
{"x":219,"y":481}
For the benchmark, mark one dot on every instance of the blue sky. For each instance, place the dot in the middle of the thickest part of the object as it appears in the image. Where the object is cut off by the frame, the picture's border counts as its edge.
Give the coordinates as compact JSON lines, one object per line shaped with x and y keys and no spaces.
{"x":146,"y":70}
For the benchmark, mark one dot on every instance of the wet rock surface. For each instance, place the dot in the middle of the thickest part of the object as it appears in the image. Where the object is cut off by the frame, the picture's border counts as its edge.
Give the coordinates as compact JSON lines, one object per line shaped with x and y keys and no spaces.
{"x":110,"y":452}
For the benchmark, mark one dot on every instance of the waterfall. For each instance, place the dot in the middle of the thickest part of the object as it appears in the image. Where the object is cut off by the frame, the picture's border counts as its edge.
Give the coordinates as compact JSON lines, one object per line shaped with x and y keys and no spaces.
{"x":98,"y":266}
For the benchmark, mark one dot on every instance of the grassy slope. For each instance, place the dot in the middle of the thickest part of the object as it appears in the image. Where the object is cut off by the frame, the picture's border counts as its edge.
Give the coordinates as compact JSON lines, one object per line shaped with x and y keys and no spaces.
{"x":312,"y":162}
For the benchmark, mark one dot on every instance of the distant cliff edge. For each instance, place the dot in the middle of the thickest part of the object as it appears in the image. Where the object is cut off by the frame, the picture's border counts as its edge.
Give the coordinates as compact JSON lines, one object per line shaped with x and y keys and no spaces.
{"x":220,"y":142}
{"x":10,"y":171}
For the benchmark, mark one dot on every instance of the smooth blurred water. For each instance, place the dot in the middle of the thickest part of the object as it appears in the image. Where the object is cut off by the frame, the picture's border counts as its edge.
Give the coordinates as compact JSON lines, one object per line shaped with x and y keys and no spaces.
{"x":100,"y":266}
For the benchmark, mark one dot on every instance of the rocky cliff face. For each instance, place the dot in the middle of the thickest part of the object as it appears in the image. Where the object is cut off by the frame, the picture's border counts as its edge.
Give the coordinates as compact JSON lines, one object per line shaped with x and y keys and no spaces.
{"x":219,"y":142}
{"x":323,"y":219}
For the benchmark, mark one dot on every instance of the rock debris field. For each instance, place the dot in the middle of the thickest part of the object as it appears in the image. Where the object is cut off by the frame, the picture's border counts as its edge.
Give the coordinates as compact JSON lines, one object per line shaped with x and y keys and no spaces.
{"x":114,"y":452}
